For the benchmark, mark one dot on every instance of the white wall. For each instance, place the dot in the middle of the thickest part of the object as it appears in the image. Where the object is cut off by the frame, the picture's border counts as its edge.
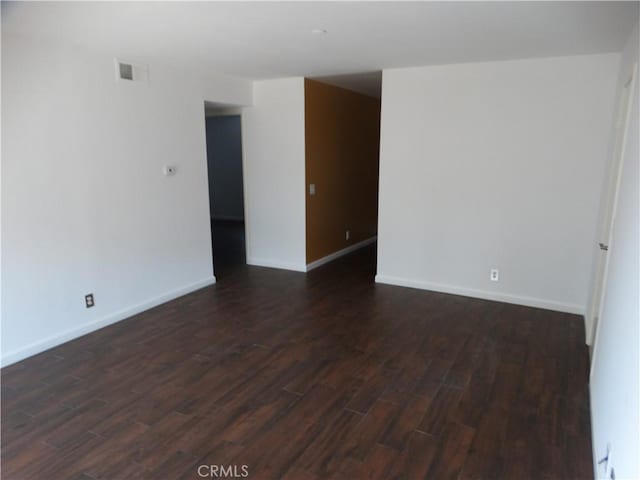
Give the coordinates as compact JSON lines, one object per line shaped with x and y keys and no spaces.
{"x":273,"y":167}
{"x":615,"y":372}
{"x":85,"y":205}
{"x":495,"y":165}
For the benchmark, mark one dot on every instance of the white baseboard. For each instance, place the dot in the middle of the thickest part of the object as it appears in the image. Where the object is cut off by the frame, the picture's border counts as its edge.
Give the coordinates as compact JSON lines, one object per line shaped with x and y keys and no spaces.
{"x":261,"y":262}
{"x":58,"y":339}
{"x":483,"y":294}
{"x":340,"y":253}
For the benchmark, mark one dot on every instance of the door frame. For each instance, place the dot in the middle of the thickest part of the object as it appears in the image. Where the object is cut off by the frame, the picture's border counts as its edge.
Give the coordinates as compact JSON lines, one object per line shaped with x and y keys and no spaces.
{"x":602,"y":266}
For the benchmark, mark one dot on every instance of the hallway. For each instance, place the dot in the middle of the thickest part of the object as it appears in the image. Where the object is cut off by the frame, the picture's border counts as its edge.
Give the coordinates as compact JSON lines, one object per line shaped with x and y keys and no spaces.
{"x":229,"y":246}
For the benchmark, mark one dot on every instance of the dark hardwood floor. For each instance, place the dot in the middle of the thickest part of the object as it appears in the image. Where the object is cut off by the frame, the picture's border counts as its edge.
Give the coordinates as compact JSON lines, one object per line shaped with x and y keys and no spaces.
{"x":324,"y":375}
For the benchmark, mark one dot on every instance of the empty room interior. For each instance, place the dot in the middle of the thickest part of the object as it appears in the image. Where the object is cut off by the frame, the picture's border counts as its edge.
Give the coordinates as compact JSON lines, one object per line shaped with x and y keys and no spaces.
{"x":320,"y":240}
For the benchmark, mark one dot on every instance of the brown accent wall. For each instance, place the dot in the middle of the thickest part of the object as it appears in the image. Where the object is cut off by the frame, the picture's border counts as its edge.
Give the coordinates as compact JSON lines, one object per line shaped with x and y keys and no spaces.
{"x":342,"y":141}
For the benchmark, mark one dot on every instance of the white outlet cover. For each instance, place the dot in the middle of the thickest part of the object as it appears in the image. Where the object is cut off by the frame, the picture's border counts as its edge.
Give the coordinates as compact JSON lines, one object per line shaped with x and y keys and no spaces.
{"x":495,"y":275}
{"x":312,"y":189}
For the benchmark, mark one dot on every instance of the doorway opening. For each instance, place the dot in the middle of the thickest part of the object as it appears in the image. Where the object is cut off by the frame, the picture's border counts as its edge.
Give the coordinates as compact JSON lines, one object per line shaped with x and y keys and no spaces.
{"x":342,"y":146}
{"x":226,"y":191}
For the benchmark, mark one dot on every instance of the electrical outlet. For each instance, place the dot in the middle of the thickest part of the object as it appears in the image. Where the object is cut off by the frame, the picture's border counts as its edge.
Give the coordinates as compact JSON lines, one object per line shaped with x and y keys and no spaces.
{"x":347,"y":234}
{"x":88,"y":300}
{"x":495,"y":275}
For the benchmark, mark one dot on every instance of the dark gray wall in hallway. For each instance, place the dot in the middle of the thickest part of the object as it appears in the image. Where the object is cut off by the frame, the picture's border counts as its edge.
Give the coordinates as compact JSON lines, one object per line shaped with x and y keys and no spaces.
{"x":224,"y":158}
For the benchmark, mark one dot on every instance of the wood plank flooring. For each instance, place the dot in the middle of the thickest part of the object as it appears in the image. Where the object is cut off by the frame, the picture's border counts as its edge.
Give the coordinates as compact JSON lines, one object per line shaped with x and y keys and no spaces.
{"x":317,"y":376}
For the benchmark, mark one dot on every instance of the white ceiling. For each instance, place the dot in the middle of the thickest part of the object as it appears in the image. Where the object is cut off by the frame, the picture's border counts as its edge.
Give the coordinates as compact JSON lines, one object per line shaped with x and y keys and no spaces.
{"x":264,"y":39}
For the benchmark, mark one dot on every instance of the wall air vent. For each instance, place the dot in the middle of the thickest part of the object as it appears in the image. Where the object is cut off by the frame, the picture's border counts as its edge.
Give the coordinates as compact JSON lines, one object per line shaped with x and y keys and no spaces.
{"x":125,"y":71}
{"x":131,"y":73}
